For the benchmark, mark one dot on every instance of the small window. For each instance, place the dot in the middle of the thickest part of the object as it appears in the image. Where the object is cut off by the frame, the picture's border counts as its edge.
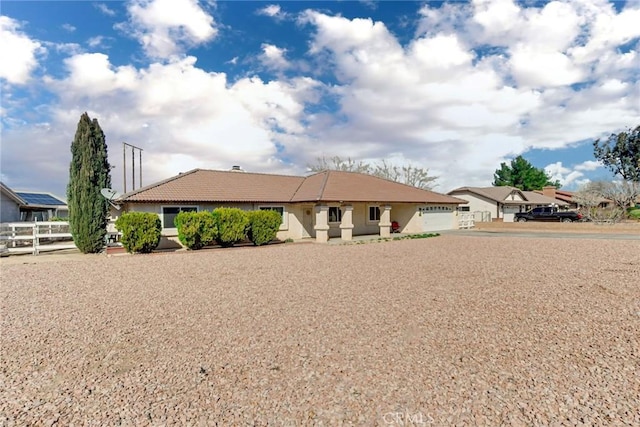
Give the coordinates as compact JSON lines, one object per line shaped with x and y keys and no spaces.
{"x":374,"y":213}
{"x":279,"y":209}
{"x":464,"y":208}
{"x":169,"y":214}
{"x":335,"y":214}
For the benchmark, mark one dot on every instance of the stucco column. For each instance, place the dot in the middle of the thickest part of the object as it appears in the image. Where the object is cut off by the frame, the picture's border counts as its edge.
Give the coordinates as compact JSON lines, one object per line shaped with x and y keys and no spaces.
{"x":385,"y":221}
{"x":346,"y":225}
{"x":322,"y":224}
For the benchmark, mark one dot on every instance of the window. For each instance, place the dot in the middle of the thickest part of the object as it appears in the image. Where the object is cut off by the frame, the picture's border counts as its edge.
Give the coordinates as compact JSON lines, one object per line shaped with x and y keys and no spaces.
{"x":465,"y":209}
{"x":280,"y":210}
{"x":374,"y":213}
{"x":335,"y":214}
{"x":169,"y":214}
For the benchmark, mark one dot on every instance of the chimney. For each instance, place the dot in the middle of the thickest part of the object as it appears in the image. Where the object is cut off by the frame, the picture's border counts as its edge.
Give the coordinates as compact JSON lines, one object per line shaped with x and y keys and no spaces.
{"x":236,"y":168}
{"x":549,"y":191}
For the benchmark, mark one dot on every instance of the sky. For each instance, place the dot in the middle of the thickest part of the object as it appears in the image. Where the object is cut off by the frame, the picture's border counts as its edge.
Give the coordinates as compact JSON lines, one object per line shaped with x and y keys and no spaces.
{"x":453,"y":87}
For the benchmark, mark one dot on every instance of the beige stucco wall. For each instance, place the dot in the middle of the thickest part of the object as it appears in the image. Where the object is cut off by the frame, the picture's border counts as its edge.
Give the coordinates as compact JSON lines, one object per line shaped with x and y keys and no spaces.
{"x":299,"y":219}
{"x":478,"y":203}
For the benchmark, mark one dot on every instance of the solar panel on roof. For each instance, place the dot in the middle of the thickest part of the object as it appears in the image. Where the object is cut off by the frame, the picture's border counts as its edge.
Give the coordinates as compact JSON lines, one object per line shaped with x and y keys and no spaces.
{"x":40,"y":199}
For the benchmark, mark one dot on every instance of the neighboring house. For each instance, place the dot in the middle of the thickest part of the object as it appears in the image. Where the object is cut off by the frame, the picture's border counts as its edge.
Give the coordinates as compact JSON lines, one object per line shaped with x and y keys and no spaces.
{"x":30,"y":205}
{"x":567,"y":197}
{"x":326,"y":204}
{"x":502,"y":202}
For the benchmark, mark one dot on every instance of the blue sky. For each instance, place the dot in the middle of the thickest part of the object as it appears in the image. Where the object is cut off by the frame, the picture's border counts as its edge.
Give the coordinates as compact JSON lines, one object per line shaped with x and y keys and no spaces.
{"x":455,"y":87}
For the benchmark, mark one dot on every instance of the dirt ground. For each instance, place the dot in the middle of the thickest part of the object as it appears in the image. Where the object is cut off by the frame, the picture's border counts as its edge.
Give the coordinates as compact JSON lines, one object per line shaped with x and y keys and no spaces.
{"x":450,"y":330}
{"x":628,"y":227}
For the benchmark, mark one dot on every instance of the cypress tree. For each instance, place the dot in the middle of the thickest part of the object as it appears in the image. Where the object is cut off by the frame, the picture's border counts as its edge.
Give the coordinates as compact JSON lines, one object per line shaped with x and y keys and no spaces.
{"x":89,"y":172}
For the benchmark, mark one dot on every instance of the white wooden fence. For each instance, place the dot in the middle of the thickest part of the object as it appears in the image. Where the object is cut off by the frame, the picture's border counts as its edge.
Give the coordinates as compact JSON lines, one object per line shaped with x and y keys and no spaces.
{"x":35,"y":237}
{"x":466,"y":220}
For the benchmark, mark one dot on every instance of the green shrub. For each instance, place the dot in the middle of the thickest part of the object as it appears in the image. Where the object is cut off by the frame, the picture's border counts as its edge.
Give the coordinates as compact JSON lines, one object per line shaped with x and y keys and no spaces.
{"x":634,"y":214}
{"x":232,"y":225}
{"x":263,"y":226}
{"x":140,"y":231}
{"x":196,"y":229}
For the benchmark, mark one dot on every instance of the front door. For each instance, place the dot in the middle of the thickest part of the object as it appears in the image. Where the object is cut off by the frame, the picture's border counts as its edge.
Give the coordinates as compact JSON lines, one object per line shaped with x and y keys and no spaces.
{"x":307,"y":221}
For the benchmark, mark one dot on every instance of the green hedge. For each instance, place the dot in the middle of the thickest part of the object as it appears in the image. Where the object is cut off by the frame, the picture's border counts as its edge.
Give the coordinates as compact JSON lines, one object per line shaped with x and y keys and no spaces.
{"x":196,"y":229}
{"x":263,"y":226}
{"x":635,"y":214}
{"x":232,"y":225}
{"x":140,"y":231}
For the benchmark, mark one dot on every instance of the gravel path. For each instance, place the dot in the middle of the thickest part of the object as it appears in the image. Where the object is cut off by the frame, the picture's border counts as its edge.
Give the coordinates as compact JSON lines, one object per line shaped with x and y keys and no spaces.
{"x":443,"y":331}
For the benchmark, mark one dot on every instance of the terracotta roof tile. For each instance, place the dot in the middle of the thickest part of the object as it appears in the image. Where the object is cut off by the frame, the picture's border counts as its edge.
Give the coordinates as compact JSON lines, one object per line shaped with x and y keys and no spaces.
{"x":201,"y":185}
{"x":337,"y":186}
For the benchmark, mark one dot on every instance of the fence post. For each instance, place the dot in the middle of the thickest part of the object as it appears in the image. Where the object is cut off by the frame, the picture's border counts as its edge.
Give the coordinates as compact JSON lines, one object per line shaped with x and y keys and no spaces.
{"x":35,"y":238}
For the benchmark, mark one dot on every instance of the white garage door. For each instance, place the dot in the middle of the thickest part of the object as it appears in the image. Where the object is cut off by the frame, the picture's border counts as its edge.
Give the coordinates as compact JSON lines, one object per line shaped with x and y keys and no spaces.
{"x":509,"y":213}
{"x":436,"y":218}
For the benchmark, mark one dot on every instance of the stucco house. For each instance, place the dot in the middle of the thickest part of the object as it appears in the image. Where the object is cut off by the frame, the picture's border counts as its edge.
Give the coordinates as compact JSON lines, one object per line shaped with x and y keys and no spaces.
{"x":320,"y":206}
{"x":567,"y":197}
{"x":502,"y":202}
{"x":18,"y":206}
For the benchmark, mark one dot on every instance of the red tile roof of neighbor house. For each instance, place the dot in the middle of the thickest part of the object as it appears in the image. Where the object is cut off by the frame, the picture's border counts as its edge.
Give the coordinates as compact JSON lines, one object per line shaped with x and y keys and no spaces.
{"x":500,"y":194}
{"x":201,"y":185}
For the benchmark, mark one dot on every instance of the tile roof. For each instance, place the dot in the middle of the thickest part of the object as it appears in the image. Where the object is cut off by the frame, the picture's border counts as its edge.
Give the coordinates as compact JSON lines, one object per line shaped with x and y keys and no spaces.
{"x":337,"y":186}
{"x":201,"y":185}
{"x":500,"y":193}
{"x":539,"y":199}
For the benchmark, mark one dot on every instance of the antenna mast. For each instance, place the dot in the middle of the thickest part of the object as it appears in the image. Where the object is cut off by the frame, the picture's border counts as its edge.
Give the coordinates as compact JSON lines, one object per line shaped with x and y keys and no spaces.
{"x":133,"y":165}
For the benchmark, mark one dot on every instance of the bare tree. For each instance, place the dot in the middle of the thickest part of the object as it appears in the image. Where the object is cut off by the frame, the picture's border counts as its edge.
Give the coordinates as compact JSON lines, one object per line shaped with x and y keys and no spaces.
{"x":593,"y":201}
{"x":339,"y":164}
{"x":407,"y":174}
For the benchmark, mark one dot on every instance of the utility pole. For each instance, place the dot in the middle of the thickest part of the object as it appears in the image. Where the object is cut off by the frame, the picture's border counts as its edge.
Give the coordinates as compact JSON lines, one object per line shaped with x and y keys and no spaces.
{"x":133,"y":165}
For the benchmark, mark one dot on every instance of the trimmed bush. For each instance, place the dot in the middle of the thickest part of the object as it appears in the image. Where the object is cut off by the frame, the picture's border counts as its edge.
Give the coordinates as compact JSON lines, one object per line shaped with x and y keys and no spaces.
{"x":140,"y":231}
{"x":634,"y":214}
{"x":232,"y":225}
{"x":196,"y":229}
{"x":263,"y":226}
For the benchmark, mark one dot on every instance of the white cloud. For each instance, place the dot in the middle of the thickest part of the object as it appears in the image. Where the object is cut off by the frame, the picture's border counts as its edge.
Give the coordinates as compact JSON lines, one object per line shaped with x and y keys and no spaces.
{"x":274,"y":57}
{"x":68,"y":27}
{"x":96,"y":41}
{"x":589,"y":165}
{"x":273,"y":11}
{"x":182,"y":116}
{"x":478,"y":82}
{"x":167,"y":27}
{"x":566,"y":176}
{"x":105,"y":9}
{"x":22,"y":50}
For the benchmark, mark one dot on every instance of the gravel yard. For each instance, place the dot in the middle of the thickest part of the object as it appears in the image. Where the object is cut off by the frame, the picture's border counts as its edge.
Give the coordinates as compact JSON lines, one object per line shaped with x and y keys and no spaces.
{"x":450,"y":330}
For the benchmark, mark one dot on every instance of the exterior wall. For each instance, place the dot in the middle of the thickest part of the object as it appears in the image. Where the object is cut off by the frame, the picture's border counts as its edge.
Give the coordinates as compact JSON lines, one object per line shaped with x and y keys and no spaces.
{"x":9,"y":209}
{"x":299,"y":219}
{"x":292,"y":226}
{"x":478,"y":203}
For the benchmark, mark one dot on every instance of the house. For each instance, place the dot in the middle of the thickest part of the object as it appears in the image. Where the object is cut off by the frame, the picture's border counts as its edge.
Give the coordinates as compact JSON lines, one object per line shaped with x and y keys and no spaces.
{"x":568,"y":197}
{"x":503,"y":202}
{"x":30,"y":205}
{"x":323,"y":205}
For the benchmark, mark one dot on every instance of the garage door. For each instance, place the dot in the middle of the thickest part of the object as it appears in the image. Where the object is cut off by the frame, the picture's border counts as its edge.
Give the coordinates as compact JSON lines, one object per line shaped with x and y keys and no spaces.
{"x":436,"y":218}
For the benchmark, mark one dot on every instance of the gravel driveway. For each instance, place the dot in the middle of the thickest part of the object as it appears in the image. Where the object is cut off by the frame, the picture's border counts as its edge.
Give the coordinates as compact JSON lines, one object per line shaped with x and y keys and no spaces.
{"x":450,"y":330}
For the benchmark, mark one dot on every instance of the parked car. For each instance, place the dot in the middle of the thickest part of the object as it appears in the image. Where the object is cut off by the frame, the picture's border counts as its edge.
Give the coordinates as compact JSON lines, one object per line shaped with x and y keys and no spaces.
{"x":548,"y":213}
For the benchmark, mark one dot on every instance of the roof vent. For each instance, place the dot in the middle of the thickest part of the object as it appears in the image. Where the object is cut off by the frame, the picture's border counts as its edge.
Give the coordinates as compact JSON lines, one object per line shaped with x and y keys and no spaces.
{"x":236,"y":168}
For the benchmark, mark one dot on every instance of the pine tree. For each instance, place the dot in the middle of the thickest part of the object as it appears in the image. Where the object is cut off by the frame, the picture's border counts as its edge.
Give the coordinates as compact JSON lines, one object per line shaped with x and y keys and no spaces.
{"x":89,"y":172}
{"x":523,"y":175}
